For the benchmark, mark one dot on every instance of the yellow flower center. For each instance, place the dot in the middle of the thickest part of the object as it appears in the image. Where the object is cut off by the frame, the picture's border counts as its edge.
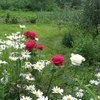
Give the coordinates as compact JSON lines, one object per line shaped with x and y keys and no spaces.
{"x":37,"y":94}
{"x":38,"y":66}
{"x":68,"y":98}
{"x":57,"y":91}
{"x":28,"y":63}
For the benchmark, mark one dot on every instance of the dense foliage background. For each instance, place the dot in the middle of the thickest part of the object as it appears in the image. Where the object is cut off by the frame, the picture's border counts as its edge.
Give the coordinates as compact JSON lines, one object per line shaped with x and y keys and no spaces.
{"x":38,"y":5}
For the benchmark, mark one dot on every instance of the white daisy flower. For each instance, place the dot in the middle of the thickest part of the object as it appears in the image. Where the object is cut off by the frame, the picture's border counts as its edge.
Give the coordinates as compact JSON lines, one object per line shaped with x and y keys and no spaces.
{"x":69,"y":97}
{"x":30,"y":88}
{"x":26,"y":55}
{"x":57,"y":90}
{"x":37,"y":93}
{"x":25,"y":98}
{"x":29,"y":77}
{"x":38,"y":66}
{"x":27,"y":65}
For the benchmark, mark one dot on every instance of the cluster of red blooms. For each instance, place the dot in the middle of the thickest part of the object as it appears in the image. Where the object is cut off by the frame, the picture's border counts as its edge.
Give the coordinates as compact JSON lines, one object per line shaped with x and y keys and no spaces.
{"x":31,"y":44}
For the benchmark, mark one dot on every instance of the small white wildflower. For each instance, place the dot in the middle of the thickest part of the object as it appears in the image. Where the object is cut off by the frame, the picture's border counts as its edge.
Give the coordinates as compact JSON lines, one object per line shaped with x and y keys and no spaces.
{"x":68,"y":97}
{"x":81,"y":90}
{"x":3,"y":62}
{"x":94,"y":82}
{"x":30,"y":88}
{"x":27,"y":65}
{"x":25,"y":98}
{"x":98,"y":75}
{"x":22,"y":26}
{"x":57,"y":90}
{"x":98,"y":97}
{"x":13,"y":58}
{"x":0,"y":53}
{"x":36,"y":39}
{"x":42,"y":98}
{"x":26,"y":55}
{"x":79,"y":94}
{"x":38,"y":66}
{"x":2,"y":47}
{"x":37,"y":93}
{"x":5,"y":77}
{"x":28,"y":77}
{"x":91,"y":99}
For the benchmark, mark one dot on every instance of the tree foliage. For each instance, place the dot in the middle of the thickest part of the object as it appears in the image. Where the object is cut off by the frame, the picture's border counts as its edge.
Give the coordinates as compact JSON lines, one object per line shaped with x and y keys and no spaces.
{"x":38,"y":5}
{"x":91,"y":15}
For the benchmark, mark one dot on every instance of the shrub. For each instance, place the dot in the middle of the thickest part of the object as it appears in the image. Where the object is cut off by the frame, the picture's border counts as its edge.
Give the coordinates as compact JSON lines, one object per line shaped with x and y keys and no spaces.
{"x":90,"y":50}
{"x":91,"y":16}
{"x":14,"y":20}
{"x":7,"y":19}
{"x":33,"y":19}
{"x":68,"y":40}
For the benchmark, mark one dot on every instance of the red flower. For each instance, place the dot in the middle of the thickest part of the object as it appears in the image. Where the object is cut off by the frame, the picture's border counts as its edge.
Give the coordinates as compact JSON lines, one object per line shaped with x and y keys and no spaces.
{"x":30,"y":45}
{"x":57,"y":60}
{"x":40,"y":47}
{"x":30,"y":35}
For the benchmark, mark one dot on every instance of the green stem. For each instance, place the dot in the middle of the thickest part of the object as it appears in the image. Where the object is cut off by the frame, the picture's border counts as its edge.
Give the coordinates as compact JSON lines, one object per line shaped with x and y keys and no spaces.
{"x":50,"y":82}
{"x":18,"y":66}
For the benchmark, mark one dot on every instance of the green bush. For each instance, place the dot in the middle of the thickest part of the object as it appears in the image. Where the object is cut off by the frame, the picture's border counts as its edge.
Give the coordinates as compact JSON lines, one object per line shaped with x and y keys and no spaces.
{"x":7,"y":19}
{"x":11,"y":19}
{"x":33,"y":19}
{"x":68,"y":40}
{"x":90,"y":50}
{"x":91,"y":16}
{"x":14,"y":20}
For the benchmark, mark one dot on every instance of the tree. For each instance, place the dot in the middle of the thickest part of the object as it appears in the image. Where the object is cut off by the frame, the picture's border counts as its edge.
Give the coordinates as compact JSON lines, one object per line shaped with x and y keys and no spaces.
{"x":91,"y":15}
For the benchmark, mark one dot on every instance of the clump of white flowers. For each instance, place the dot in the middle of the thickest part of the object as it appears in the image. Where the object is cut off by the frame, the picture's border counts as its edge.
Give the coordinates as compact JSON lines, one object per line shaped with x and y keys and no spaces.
{"x":3,"y":62}
{"x":28,"y":76}
{"x":96,"y":82}
{"x":80,"y":93}
{"x":76,"y":59}
{"x":4,"y":79}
